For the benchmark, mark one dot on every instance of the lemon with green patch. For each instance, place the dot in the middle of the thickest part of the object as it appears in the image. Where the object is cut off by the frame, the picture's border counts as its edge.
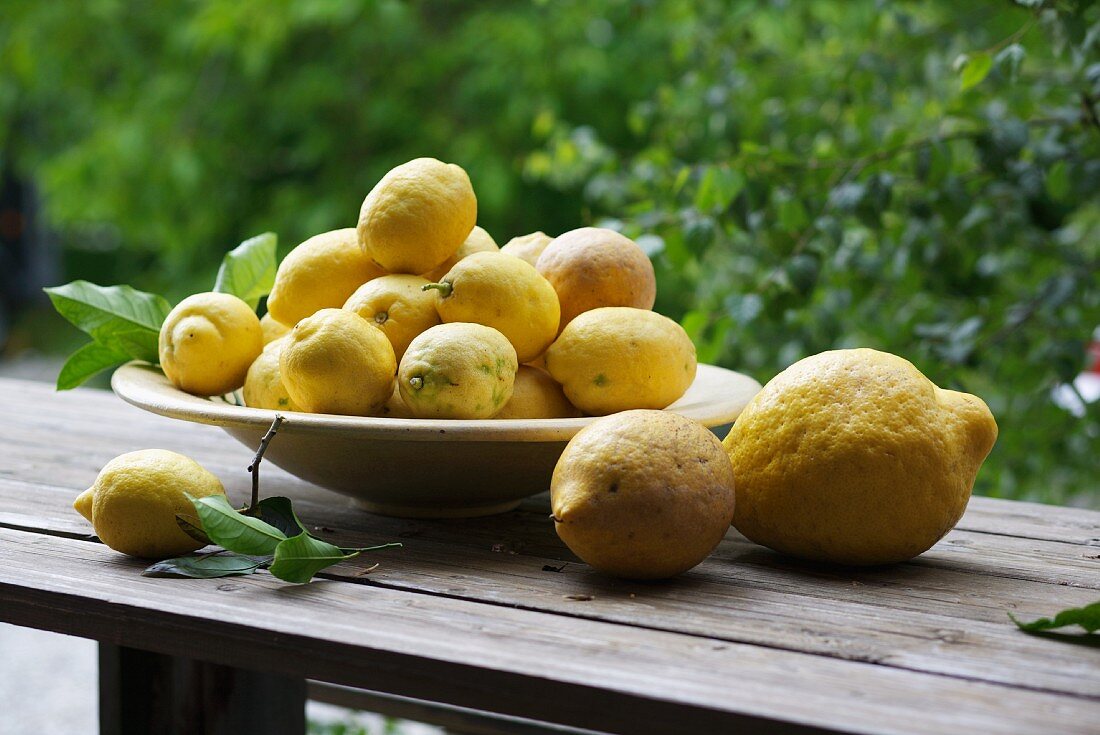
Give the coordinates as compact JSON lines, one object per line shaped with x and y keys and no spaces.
{"x":617,"y":358}
{"x":263,"y":386}
{"x":458,"y":371}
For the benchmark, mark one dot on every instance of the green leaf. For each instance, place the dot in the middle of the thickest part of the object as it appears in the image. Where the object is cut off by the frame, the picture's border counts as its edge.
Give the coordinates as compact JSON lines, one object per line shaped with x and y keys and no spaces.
{"x":248,"y":270}
{"x":1058,"y":183}
{"x":1088,"y":617}
{"x":120,"y":318}
{"x":975,"y":69}
{"x":718,"y":188}
{"x":192,"y":526}
{"x":279,"y":512}
{"x":89,"y":360}
{"x":235,"y":531}
{"x":207,"y":566}
{"x":298,"y":558}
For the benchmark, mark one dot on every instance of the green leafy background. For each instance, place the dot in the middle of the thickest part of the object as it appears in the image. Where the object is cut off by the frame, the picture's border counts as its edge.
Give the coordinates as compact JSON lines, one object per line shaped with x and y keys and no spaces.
{"x":919,"y":177}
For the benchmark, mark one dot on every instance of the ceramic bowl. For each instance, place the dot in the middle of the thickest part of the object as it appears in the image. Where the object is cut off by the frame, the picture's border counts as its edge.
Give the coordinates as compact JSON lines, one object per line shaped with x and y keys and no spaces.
{"x":417,"y":468}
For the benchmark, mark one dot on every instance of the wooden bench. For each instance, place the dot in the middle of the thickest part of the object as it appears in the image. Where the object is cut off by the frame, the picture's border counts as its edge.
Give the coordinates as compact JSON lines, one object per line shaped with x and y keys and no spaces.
{"x":491,"y":625}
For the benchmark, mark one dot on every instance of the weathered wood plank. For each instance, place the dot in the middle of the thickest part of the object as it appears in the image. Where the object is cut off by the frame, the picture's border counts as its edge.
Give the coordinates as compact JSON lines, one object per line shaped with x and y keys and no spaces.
{"x":936,"y":620}
{"x":549,"y":667}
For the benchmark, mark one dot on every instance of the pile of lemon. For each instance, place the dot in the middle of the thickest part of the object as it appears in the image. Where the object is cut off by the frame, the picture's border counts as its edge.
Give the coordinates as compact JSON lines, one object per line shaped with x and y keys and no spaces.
{"x":417,"y":313}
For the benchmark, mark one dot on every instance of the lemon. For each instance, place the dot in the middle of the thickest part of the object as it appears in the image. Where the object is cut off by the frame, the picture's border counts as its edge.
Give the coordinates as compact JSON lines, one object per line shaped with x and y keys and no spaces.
{"x":272,"y":328}
{"x":854,"y":457}
{"x":616,"y":358}
{"x":395,"y":407}
{"x":536,"y":395}
{"x":398,"y":305}
{"x":134,"y":501}
{"x":527,"y":247}
{"x":457,"y":371}
{"x":263,"y":386}
{"x":319,"y":274}
{"x":593,"y":267}
{"x":643,"y":494}
{"x":417,"y":216}
{"x":478,"y":241}
{"x":503,"y":292}
{"x":208,"y":342}
{"x":336,"y":362}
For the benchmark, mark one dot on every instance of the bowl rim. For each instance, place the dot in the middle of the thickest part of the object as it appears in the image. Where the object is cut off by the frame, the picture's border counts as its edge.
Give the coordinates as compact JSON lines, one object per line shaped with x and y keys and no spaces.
{"x":145,"y":386}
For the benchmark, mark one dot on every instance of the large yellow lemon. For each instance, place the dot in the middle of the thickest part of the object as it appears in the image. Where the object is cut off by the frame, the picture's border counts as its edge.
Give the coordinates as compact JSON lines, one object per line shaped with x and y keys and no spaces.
{"x":335,"y":362}
{"x":319,"y":274}
{"x":503,"y":292}
{"x":417,"y":216}
{"x":617,"y":358}
{"x":398,"y":305}
{"x":134,"y":501}
{"x":854,"y":457}
{"x":208,"y":342}
{"x":643,"y":494}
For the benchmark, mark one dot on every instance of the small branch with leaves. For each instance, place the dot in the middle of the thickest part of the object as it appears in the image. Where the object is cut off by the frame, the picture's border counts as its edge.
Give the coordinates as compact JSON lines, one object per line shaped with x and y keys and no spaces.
{"x":267,"y":534}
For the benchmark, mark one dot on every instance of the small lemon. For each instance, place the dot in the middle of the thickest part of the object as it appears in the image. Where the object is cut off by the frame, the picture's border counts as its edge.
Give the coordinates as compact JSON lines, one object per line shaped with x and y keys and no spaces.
{"x":593,"y":267}
{"x":478,"y":241}
{"x":395,"y":407}
{"x":458,"y":371}
{"x":319,"y":274}
{"x":503,"y":292}
{"x":398,"y":305}
{"x":527,"y":247}
{"x":616,"y":358}
{"x":207,"y":343}
{"x":263,"y":386}
{"x":134,"y":501}
{"x":536,"y":395}
{"x":336,"y":362}
{"x":643,"y":494}
{"x":417,"y":216}
{"x":272,"y":328}
{"x":854,"y":457}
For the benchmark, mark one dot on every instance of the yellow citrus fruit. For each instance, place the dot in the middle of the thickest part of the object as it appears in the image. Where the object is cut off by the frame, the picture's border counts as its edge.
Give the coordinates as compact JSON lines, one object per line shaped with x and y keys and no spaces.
{"x":395,"y":407}
{"x":272,"y":328}
{"x":643,"y":494}
{"x":616,"y":358}
{"x":854,"y":457}
{"x":593,"y":267}
{"x":398,"y":305}
{"x":536,"y":395}
{"x":319,"y":274}
{"x":527,"y":247}
{"x":263,"y":386}
{"x":417,"y":216}
{"x":207,"y":343}
{"x":135,"y":499}
{"x":503,"y":292}
{"x":458,"y":371}
{"x":478,"y":241}
{"x":336,"y":362}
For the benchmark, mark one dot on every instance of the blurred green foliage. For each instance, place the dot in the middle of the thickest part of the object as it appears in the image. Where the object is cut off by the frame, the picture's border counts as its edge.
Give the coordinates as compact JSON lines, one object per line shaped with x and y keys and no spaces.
{"x":918,"y":177}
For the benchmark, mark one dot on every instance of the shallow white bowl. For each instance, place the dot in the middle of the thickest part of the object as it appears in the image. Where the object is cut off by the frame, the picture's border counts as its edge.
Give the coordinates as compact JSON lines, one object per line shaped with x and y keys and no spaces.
{"x":417,"y":467}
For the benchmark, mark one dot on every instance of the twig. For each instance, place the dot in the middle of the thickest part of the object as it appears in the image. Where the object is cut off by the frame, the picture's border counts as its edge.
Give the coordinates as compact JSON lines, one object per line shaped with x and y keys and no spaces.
{"x":254,"y":468}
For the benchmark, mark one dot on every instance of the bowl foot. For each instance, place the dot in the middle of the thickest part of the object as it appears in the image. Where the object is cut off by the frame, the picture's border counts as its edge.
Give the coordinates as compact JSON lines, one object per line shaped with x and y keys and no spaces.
{"x":418,"y":511}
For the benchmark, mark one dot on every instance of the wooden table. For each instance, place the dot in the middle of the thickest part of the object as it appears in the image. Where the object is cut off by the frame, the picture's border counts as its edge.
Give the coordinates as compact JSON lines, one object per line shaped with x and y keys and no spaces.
{"x":495,"y":615}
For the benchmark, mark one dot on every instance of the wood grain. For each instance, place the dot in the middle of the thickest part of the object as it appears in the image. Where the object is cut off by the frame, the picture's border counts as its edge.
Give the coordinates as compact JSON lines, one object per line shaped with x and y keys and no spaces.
{"x":555,"y":668}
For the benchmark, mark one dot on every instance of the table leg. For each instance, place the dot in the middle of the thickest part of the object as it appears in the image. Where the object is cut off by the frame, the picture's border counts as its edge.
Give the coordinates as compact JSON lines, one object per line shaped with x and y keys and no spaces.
{"x":142,"y":692}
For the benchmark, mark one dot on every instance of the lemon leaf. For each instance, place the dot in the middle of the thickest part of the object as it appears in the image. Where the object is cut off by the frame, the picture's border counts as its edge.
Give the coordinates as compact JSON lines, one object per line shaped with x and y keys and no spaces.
{"x":279,"y":512}
{"x":248,"y":270}
{"x":234,"y":531}
{"x":89,"y":360}
{"x":298,"y":558}
{"x":1088,"y":617}
{"x":118,"y":317}
{"x":206,"y":566}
